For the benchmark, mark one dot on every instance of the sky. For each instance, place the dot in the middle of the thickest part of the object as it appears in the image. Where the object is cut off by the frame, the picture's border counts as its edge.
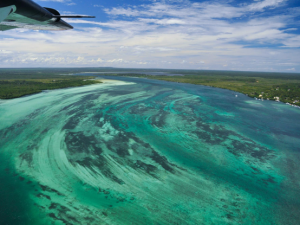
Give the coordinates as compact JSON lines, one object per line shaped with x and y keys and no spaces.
{"x":243,"y":35}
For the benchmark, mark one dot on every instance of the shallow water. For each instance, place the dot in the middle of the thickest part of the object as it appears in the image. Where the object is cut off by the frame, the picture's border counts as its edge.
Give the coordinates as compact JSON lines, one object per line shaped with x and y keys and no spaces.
{"x":132,"y":72}
{"x":140,"y":151}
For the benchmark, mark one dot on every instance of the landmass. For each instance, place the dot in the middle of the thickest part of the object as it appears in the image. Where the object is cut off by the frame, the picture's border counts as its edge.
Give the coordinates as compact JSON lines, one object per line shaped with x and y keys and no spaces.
{"x":283,"y":87}
{"x":17,"y":83}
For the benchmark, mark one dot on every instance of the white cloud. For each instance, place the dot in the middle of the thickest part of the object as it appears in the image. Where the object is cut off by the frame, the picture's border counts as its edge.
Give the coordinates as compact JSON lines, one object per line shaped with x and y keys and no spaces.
{"x":292,"y":42}
{"x":207,"y":35}
{"x":292,"y":69}
{"x":67,"y":2}
{"x":5,"y":52}
{"x":63,"y":1}
{"x":54,"y":1}
{"x":264,"y":4}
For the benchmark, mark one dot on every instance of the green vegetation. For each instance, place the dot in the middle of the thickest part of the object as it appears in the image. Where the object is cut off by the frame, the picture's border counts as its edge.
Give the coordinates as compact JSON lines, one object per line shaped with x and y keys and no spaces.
{"x":285,"y":86}
{"x":257,"y":85}
{"x":17,"y":83}
{"x":288,"y":91}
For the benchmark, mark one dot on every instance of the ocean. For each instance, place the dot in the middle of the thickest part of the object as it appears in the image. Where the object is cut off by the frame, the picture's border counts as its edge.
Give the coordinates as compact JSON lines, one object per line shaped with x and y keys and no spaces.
{"x":141,"y":151}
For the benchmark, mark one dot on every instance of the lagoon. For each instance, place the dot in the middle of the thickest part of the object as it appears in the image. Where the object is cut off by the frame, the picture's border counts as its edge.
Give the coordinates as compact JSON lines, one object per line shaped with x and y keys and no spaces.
{"x":141,"y":151}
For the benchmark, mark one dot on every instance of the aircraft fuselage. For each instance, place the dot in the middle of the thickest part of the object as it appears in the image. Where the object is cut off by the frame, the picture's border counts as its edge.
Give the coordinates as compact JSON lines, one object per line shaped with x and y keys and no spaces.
{"x":28,"y":14}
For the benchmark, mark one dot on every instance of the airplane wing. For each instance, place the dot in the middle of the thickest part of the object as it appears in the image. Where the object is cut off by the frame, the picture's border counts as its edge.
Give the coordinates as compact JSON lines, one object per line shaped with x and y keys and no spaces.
{"x":27,"y":14}
{"x":4,"y":27}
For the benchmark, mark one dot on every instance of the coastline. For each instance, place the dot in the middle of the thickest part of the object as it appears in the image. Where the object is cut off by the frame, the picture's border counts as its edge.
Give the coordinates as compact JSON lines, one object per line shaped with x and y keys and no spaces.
{"x":258,"y":99}
{"x":33,"y":92}
{"x":167,"y":80}
{"x":184,"y":133}
{"x":225,"y":88}
{"x":98,"y":80}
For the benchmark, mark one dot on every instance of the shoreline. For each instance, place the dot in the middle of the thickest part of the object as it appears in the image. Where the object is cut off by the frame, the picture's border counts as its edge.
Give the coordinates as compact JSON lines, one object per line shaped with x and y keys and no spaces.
{"x":97,"y":81}
{"x":154,"y":78}
{"x":100,"y":80}
{"x":255,"y":98}
{"x":2,"y":100}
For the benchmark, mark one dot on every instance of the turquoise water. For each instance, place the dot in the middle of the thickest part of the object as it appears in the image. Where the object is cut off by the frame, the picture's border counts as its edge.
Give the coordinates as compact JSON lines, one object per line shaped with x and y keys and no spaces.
{"x":139,"y":152}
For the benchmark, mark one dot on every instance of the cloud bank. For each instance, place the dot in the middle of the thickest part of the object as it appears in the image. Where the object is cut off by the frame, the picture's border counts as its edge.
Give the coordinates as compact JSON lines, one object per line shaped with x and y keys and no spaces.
{"x":257,"y":36}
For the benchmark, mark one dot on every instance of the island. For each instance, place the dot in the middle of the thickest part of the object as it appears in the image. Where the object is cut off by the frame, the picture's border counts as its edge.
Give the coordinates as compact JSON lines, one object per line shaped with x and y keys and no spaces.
{"x":283,"y":87}
{"x":16,"y":83}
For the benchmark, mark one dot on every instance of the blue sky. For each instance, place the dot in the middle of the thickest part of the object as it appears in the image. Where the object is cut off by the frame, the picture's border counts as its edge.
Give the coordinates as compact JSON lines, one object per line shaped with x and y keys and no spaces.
{"x":253,"y":35}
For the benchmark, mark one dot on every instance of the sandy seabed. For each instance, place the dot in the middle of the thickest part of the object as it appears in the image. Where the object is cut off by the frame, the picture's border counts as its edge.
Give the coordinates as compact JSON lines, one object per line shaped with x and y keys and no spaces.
{"x":148,"y":152}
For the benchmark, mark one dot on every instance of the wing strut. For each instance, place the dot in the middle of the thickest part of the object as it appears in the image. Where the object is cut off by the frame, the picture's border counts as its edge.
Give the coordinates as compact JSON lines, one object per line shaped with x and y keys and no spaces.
{"x":5,"y":11}
{"x":72,"y":16}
